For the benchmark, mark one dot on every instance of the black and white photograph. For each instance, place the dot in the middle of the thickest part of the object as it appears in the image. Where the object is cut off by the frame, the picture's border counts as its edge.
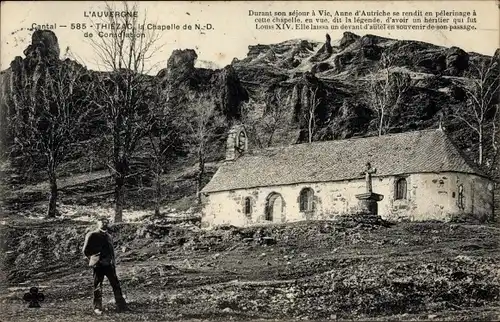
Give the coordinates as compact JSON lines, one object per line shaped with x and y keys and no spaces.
{"x":250,"y":161}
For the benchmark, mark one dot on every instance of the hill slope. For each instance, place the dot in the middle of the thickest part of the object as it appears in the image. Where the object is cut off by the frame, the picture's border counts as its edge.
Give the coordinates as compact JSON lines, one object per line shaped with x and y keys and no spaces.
{"x":315,"y":270}
{"x":270,"y":92}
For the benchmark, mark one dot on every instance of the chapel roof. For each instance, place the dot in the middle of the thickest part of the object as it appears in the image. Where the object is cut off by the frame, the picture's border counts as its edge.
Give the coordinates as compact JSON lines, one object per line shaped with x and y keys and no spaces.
{"x":392,"y":154}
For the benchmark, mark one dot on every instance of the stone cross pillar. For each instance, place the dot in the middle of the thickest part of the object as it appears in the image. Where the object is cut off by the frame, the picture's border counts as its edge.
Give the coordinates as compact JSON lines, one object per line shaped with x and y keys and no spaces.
{"x":368,"y":176}
{"x":367,"y":205}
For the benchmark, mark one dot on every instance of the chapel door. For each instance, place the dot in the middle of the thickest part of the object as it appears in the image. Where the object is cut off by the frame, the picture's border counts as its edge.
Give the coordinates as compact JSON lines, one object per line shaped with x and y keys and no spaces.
{"x":275,"y":208}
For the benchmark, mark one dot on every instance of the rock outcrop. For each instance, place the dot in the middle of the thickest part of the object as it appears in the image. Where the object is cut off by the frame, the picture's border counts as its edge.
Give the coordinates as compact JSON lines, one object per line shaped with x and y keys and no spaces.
{"x":347,"y":39}
{"x":325,"y":51}
{"x":180,"y":65}
{"x":229,"y":92}
{"x":457,"y":61}
{"x":44,"y":45}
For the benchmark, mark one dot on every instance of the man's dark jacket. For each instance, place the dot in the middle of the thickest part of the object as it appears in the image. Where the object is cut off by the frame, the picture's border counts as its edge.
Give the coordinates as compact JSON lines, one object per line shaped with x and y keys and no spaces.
{"x":99,"y":242}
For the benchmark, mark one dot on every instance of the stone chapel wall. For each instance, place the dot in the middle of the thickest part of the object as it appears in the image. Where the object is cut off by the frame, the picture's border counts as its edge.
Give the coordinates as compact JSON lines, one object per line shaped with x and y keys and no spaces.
{"x":428,"y":196}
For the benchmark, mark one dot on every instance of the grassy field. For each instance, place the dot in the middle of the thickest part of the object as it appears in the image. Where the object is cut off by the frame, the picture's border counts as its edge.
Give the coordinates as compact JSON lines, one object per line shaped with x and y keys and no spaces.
{"x":304,"y":271}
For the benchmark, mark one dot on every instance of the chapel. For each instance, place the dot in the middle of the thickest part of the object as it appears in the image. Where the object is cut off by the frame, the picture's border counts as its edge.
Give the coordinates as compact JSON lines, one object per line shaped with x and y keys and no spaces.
{"x":421,"y":175}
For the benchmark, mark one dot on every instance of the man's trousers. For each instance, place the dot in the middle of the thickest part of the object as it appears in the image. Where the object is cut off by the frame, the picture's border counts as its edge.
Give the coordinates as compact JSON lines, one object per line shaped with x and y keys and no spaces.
{"x":110,"y":272}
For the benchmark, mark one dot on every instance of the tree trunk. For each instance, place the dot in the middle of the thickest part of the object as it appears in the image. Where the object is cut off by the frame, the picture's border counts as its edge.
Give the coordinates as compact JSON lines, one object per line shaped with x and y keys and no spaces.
{"x":52,"y":211}
{"x":199,"y":179}
{"x":494,"y":146}
{"x":270,"y":140}
{"x":157,"y":189}
{"x":310,"y":128}
{"x":381,"y":124}
{"x":480,"y":145}
{"x":119,"y":183}
{"x":121,"y":171}
{"x":257,"y":138}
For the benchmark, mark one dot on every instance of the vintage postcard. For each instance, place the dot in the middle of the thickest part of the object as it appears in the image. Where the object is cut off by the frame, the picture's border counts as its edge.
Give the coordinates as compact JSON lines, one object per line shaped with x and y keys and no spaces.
{"x":249,"y":160}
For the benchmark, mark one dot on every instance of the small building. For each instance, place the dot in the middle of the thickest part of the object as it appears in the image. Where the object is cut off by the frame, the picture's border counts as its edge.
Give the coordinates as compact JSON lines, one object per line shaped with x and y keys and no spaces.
{"x":421,"y":174}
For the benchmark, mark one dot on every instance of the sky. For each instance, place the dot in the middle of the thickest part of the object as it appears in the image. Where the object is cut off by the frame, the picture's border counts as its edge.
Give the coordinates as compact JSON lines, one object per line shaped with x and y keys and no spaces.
{"x":233,"y":28}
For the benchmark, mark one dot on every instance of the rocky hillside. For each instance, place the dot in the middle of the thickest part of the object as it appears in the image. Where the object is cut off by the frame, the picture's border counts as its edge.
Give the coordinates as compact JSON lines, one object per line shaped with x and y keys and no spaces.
{"x":341,"y":72}
{"x":275,"y":87}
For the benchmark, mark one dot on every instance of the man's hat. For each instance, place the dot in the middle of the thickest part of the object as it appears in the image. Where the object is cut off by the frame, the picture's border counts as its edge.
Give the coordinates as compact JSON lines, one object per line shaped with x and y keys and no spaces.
{"x":101,"y":218}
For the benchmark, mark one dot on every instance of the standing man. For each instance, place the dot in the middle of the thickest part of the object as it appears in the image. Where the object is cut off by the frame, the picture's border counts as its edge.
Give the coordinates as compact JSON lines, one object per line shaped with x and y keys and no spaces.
{"x":98,"y":248}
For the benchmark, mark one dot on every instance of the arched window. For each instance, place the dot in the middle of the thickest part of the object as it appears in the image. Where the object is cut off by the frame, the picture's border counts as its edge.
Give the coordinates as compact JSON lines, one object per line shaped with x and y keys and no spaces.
{"x":461,"y":199}
{"x":248,"y":206}
{"x":306,"y":199}
{"x":400,"y":189}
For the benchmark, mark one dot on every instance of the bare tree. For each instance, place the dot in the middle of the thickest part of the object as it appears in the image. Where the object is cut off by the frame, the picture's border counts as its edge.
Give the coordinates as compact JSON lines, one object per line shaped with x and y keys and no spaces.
{"x":203,"y":122}
{"x":251,"y":117}
{"x":276,"y":115}
{"x":495,"y":136}
{"x":125,"y":58}
{"x":481,"y":91}
{"x":163,"y":133}
{"x":385,"y":94}
{"x":51,"y":109}
{"x":310,"y":113}
{"x":265,"y":121}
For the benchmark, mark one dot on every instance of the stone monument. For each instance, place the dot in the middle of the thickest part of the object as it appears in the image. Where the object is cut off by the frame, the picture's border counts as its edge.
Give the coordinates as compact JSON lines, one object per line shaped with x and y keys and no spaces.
{"x":367,"y":204}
